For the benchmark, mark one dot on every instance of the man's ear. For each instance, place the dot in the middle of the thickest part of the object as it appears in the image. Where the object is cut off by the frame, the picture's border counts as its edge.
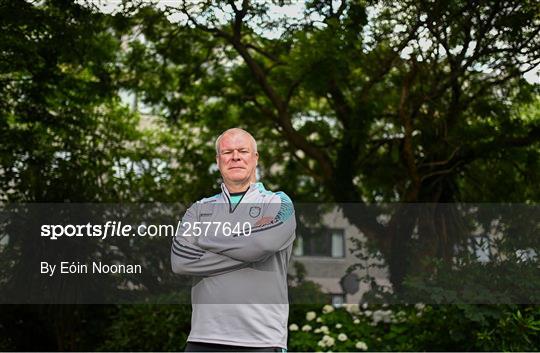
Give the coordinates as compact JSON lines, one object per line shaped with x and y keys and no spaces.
{"x":217,"y":160}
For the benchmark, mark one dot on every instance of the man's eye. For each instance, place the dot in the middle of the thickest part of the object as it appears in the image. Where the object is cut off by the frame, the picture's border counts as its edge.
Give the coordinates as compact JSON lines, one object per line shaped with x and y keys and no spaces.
{"x":244,"y":151}
{"x":226,"y":152}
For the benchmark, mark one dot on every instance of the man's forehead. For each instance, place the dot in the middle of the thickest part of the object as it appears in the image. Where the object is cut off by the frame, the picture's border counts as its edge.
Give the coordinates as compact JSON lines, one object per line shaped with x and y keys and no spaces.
{"x":235,"y":140}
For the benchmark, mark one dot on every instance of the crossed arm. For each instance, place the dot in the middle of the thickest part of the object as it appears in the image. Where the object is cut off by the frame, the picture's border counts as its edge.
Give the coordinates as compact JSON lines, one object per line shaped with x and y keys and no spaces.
{"x":216,"y":255}
{"x":188,"y":258}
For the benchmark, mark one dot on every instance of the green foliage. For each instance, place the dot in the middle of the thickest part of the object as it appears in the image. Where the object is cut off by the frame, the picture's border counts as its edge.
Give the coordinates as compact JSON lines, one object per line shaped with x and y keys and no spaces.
{"x":334,"y":101}
{"x":85,"y":324}
{"x":67,"y":137}
{"x":358,"y":101}
{"x":159,"y":327}
{"x":303,"y":291}
{"x":415,"y":328}
{"x":498,"y":266}
{"x":489,"y":283}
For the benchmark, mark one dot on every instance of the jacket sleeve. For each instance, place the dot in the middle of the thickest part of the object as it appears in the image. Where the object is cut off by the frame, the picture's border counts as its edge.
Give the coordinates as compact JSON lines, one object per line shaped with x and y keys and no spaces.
{"x":263,"y":241}
{"x":188,"y":258}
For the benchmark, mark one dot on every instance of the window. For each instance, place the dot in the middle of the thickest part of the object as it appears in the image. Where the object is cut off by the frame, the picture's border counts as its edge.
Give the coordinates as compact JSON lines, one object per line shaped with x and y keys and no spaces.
{"x":338,"y":300}
{"x":321,"y":242}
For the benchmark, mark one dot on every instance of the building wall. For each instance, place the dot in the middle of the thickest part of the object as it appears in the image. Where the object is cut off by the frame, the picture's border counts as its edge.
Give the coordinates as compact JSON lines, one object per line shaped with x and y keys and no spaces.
{"x":328,"y":271}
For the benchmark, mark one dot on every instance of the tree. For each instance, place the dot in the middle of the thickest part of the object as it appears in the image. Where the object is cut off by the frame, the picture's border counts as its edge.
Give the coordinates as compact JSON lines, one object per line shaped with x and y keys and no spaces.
{"x":365,"y":101}
{"x":67,"y":138}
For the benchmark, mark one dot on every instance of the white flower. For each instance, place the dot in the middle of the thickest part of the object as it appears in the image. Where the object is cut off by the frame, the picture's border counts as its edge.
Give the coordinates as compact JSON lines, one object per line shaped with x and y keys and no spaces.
{"x":342,"y":337}
{"x":318,"y":319}
{"x":310,"y":315}
{"x":420,"y":306}
{"x":401,"y":316}
{"x":364,"y":306}
{"x":293,"y":327}
{"x":317,"y":330}
{"x":368,"y":312}
{"x":328,"y":341}
{"x":338,"y":326}
{"x":327,"y":309}
{"x":324,"y":329}
{"x":306,"y":328}
{"x":387,"y":316}
{"x":382,"y":315}
{"x":361,"y":346}
{"x":356,"y":321}
{"x":377,"y":316}
{"x":352,"y":308}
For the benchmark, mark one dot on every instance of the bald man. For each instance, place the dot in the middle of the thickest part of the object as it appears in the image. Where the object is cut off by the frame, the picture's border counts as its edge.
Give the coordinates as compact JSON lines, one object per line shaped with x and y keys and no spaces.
{"x":237,"y":244}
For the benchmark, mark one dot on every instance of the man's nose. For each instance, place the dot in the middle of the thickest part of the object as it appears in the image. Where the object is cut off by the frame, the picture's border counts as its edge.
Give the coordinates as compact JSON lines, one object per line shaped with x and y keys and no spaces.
{"x":236,"y":155}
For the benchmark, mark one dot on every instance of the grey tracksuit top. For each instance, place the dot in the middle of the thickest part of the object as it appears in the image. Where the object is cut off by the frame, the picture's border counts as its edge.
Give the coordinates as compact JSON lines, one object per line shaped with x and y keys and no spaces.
{"x":240,"y":294}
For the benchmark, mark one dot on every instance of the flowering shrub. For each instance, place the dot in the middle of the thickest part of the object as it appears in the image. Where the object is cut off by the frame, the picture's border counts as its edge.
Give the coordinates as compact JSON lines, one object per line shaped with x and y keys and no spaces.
{"x":414,"y":328}
{"x":328,"y":328}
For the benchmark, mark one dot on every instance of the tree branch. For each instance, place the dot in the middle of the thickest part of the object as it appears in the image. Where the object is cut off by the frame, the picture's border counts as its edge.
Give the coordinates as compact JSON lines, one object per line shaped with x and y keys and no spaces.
{"x":408,"y":149}
{"x":339,"y":104}
{"x":387,"y":65}
{"x":438,"y":163}
{"x":238,"y":18}
{"x":264,"y":53}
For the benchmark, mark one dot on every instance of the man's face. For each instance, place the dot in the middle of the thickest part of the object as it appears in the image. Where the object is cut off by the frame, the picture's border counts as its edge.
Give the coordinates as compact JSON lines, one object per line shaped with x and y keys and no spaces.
{"x":237,"y":160}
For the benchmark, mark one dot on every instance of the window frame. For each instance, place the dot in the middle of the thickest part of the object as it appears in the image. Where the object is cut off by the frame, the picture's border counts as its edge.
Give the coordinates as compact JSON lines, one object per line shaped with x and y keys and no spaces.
{"x":330,"y":233}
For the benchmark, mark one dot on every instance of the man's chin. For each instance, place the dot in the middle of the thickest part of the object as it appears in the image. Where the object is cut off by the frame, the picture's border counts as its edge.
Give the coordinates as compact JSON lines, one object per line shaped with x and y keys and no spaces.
{"x":238,"y":179}
{"x":239,"y":174}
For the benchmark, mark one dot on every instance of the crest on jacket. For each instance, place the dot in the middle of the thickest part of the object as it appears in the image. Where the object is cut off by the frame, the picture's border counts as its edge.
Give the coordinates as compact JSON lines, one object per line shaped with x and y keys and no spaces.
{"x":254,"y":211}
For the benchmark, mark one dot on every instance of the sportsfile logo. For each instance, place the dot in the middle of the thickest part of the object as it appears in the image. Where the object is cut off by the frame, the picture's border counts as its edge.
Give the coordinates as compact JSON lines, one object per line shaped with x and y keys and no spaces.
{"x":119,"y":229}
{"x":109,"y":229}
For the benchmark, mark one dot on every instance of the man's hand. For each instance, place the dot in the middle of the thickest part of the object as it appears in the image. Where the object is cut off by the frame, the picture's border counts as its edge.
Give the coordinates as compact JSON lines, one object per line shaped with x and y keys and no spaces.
{"x":263,"y":221}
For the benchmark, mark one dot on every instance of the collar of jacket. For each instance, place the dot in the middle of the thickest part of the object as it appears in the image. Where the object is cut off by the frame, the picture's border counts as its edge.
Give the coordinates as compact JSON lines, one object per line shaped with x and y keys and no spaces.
{"x":254,"y":186}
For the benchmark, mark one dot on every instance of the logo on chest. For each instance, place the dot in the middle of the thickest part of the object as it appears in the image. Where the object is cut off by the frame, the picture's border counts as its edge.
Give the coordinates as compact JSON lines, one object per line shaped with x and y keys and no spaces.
{"x":255,"y":211}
